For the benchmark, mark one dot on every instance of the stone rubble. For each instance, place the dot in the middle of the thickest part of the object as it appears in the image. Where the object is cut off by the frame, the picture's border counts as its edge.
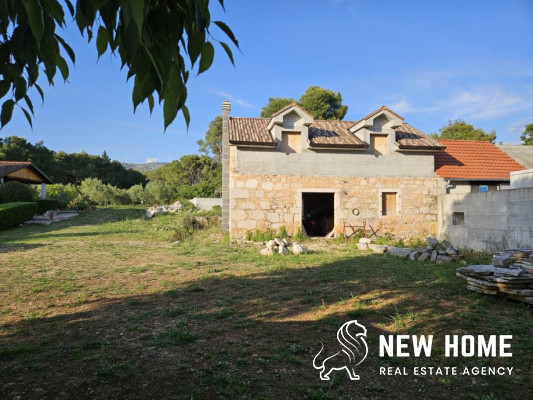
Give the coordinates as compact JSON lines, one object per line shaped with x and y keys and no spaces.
{"x":157,"y":210}
{"x":283,"y":247}
{"x":510,"y":275}
{"x":435,"y":251}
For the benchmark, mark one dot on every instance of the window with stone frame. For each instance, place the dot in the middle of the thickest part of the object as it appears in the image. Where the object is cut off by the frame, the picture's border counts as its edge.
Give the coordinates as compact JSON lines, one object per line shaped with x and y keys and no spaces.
{"x":389,"y":203}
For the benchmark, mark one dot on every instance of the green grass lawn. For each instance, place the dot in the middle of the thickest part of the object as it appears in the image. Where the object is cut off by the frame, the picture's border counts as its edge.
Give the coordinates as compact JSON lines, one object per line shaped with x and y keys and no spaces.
{"x":106,"y":306}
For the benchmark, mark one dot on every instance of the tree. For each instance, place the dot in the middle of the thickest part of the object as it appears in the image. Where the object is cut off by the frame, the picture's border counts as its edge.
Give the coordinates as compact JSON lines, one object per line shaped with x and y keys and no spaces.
{"x":274,"y":105}
{"x":323,"y":103}
{"x":460,"y":130}
{"x":158,"y":192}
{"x":159,"y":43}
{"x":212,"y":145}
{"x":527,"y":135}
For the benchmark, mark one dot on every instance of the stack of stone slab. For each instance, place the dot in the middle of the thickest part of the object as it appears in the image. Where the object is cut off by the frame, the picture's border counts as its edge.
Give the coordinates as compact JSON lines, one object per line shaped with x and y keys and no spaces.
{"x":283,"y":247}
{"x":510,"y":275}
{"x":436,"y":251}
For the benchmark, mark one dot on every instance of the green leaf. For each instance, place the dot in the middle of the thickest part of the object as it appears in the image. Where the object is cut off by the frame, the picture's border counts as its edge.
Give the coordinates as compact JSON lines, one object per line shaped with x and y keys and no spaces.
{"x":63,"y":67}
{"x":41,"y":93}
{"x":186,"y":115}
{"x":170,"y":110}
{"x":228,"y":52}
{"x":29,"y":103}
{"x":151,"y":103}
{"x":102,"y":39}
{"x":134,"y":10}
{"x":35,"y":19}
{"x":7,"y":112}
{"x":227,"y":31}
{"x":20,"y":88}
{"x":70,"y":7}
{"x":28,"y":117}
{"x":208,"y":53}
{"x":4,"y":87}
{"x":67,"y":48}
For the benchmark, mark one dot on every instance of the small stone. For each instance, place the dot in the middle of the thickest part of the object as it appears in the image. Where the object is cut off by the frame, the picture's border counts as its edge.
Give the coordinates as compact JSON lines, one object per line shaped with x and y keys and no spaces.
{"x":378,"y":248}
{"x":451,"y":251}
{"x":441,"y":252}
{"x":362,"y":246}
{"x":365,"y":240}
{"x":423,"y":257}
{"x":433,"y":256}
{"x":267,"y":252}
{"x":278,"y":242}
{"x":502,"y":260}
{"x":432,"y":242}
{"x":443,"y":259}
{"x":283,"y":250}
{"x":270,"y":244}
{"x":463,"y":262}
{"x":414,"y":255}
{"x":298,"y":248}
{"x":398,"y":251}
{"x":285,"y":242}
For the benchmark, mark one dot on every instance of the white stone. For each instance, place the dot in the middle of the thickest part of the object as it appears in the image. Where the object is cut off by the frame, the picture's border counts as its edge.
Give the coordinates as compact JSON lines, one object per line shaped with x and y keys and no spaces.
{"x":362,"y":246}
{"x":267,"y":252}
{"x":251,"y":183}
{"x":283,"y":250}
{"x":297,"y":248}
{"x":270,"y":244}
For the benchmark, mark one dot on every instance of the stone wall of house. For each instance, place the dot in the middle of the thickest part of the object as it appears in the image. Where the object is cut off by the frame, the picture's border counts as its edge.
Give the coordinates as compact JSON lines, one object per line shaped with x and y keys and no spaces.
{"x":265,"y":201}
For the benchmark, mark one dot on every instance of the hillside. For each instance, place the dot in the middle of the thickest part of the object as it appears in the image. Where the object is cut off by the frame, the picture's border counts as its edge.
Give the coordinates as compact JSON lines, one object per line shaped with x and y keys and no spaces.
{"x":143,"y":167}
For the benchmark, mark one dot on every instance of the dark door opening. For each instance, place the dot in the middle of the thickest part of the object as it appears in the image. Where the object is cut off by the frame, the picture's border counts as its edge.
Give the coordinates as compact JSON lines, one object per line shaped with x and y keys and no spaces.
{"x":318,"y":213}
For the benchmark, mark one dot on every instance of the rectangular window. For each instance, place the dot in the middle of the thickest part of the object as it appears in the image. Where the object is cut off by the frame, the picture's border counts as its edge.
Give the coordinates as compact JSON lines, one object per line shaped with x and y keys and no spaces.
{"x":458,"y":218}
{"x":483,"y":188}
{"x":290,"y":142}
{"x":379,"y":145}
{"x":388,"y":203}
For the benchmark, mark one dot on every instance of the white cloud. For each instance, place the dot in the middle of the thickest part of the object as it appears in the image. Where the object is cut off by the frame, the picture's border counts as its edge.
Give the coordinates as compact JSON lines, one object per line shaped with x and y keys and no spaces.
{"x":484,"y":103}
{"x":234,"y":99}
{"x":152,"y":159}
{"x":519,"y":126}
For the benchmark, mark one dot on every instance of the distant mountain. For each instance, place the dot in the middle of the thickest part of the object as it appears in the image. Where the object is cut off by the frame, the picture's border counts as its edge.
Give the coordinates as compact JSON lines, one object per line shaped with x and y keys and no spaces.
{"x":143,"y":167}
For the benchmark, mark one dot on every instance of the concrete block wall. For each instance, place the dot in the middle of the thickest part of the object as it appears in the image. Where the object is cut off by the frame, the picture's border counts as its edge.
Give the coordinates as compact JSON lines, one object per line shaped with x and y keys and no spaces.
{"x":493,"y":220}
{"x":522,"y":179}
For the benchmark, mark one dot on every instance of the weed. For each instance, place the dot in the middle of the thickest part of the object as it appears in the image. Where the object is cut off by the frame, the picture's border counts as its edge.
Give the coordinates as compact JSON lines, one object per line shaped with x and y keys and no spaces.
{"x":175,"y":336}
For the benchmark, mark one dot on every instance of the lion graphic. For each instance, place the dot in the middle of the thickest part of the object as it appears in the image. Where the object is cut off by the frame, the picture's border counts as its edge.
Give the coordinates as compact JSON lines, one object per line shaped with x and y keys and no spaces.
{"x":352,"y":353}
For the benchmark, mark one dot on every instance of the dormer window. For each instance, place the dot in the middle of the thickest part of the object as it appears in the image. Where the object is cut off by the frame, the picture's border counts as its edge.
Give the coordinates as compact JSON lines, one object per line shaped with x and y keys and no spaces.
{"x":291,"y":142}
{"x":379,"y":145}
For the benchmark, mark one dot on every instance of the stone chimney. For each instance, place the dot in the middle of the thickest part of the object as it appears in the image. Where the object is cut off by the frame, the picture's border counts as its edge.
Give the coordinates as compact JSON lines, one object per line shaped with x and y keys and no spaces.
{"x":226,"y":107}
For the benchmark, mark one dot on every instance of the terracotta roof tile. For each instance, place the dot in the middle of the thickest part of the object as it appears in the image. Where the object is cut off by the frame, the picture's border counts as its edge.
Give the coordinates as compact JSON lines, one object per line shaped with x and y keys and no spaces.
{"x":382,"y":108}
{"x":293,"y":104}
{"x":333,"y":134}
{"x":474,"y":160}
{"x":250,"y":131}
{"x":408,"y":137}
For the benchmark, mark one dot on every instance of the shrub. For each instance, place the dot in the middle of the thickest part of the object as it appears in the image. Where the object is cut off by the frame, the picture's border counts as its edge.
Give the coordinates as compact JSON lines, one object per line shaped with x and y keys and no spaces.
{"x":282,"y":233}
{"x":44,"y":205}
{"x":14,"y":191}
{"x":13,"y":214}
{"x":299,"y":235}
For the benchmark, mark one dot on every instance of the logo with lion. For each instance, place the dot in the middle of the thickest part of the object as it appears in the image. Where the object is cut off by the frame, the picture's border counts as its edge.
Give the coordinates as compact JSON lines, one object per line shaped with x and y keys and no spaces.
{"x":352,"y":352}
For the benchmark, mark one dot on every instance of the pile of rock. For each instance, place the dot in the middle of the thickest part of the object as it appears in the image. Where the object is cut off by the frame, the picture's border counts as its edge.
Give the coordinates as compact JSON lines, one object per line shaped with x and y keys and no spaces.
{"x":436,"y":251}
{"x":283,"y":247}
{"x":157,"y":210}
{"x":511,"y":275}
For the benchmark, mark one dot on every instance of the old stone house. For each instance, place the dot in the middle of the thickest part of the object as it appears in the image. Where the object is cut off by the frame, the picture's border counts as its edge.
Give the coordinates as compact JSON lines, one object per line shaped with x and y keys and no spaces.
{"x":327,"y":177}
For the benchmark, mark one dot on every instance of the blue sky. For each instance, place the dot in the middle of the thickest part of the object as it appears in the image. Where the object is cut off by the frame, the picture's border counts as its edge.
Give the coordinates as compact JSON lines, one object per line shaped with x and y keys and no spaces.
{"x":429,"y":61}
